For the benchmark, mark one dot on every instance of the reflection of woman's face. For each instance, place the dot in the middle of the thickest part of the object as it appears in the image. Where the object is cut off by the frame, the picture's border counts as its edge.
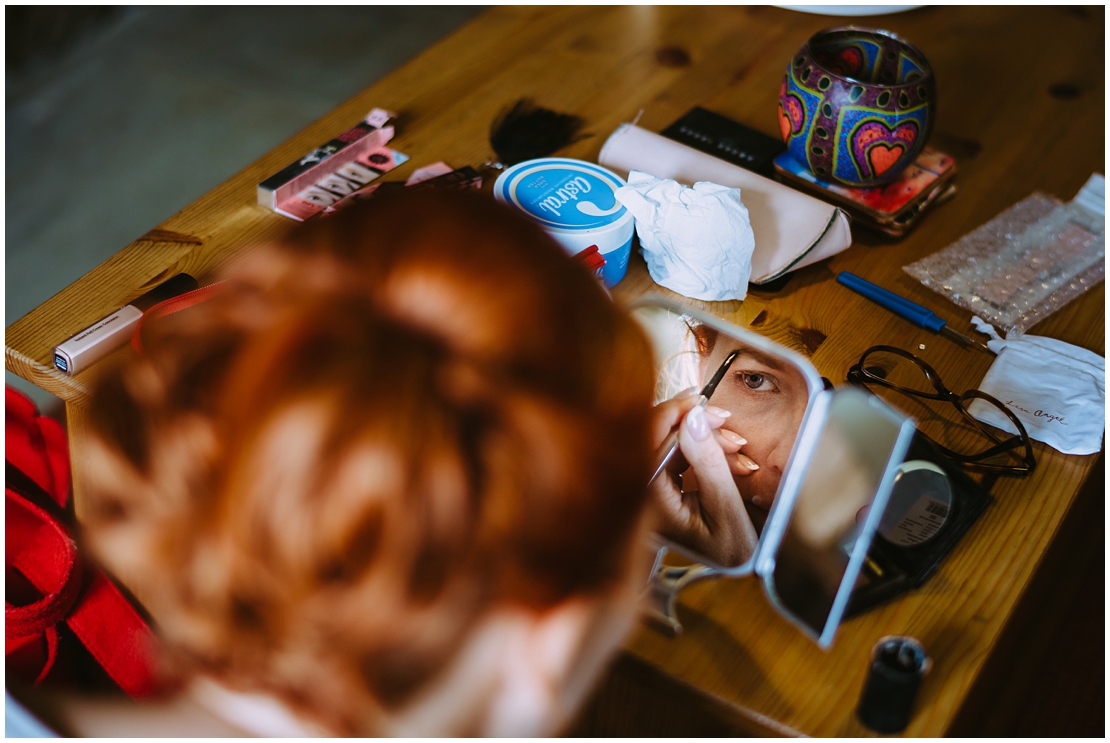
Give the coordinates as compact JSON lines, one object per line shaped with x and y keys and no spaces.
{"x":767,"y":398}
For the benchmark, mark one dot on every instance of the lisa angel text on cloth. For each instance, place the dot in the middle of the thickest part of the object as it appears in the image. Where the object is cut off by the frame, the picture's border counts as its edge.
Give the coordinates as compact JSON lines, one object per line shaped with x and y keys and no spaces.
{"x":1057,"y":390}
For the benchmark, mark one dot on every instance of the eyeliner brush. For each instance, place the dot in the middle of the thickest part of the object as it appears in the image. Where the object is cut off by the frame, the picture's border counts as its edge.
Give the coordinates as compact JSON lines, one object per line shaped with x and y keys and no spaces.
{"x":670,"y":444}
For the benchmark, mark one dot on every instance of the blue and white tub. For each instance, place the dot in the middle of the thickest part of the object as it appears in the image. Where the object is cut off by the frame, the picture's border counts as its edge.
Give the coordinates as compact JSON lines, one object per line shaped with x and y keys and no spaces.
{"x":573,"y":201}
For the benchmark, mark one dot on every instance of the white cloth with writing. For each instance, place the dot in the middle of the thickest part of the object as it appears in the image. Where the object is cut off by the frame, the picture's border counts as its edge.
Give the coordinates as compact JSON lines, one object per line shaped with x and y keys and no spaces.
{"x":696,"y":241}
{"x":1057,"y":390}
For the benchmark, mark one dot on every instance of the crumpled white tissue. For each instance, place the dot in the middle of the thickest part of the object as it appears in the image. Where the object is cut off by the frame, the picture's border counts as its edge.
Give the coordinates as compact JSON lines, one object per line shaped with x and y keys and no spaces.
{"x":696,"y":241}
{"x":1056,"y":390}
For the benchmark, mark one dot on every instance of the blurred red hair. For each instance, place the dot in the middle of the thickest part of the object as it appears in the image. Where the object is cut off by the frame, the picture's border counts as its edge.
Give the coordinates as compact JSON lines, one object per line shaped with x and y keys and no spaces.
{"x":387,"y":422}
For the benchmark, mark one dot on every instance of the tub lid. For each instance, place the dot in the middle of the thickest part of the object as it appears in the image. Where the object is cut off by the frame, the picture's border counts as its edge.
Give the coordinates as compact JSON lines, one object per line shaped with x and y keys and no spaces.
{"x":563,"y":194}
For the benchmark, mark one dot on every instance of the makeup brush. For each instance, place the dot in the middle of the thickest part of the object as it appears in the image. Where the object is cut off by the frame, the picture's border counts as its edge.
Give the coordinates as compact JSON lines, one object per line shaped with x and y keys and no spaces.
{"x":670,"y":445}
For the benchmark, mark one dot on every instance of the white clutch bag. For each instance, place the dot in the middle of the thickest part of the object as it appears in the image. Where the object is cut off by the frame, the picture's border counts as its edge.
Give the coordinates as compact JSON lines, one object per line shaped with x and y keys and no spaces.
{"x":791,"y":229}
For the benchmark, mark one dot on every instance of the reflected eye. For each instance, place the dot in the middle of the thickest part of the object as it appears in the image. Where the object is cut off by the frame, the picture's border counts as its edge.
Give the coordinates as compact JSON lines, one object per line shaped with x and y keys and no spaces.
{"x":756,"y":381}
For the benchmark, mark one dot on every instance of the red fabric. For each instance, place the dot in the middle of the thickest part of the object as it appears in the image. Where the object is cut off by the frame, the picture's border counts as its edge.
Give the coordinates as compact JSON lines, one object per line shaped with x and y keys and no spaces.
{"x":36,"y":445}
{"x":46,"y":582}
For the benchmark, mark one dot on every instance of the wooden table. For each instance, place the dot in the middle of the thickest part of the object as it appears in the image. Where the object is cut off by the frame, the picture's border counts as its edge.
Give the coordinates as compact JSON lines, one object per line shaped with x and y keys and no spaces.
{"x":1020,"y":107}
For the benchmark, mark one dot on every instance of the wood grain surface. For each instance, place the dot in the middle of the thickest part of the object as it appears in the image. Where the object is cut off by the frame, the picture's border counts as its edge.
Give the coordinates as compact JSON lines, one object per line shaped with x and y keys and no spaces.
{"x":1021,"y":101}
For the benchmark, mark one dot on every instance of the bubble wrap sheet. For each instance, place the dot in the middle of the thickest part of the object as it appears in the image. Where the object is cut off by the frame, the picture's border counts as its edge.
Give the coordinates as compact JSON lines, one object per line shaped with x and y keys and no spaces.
{"x":1021,"y":266}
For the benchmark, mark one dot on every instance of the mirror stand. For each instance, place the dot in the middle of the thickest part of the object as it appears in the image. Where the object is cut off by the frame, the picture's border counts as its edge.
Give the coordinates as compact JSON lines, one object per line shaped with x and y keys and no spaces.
{"x":663,"y":587}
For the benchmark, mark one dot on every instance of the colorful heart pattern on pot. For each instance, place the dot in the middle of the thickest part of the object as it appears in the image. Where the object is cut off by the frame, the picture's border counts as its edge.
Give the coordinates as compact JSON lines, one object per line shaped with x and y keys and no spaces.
{"x":882,"y":156}
{"x":879,"y":148}
{"x":873,"y":144}
{"x":856,"y":106}
{"x":792,"y":115}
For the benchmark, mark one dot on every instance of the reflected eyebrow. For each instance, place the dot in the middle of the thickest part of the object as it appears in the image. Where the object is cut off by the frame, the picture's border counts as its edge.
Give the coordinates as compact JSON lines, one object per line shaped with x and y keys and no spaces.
{"x":766,"y":359}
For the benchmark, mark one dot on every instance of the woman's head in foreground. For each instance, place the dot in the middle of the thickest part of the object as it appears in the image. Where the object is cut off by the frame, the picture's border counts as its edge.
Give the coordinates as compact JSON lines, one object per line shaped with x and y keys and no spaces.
{"x":391,"y":474}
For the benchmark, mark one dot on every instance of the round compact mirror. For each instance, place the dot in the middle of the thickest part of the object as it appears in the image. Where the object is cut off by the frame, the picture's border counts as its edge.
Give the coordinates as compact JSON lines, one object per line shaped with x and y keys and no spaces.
{"x":919,"y":504}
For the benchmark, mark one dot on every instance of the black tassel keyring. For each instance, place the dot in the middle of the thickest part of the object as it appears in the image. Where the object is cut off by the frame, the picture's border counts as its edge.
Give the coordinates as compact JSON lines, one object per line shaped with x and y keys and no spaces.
{"x":525,"y":131}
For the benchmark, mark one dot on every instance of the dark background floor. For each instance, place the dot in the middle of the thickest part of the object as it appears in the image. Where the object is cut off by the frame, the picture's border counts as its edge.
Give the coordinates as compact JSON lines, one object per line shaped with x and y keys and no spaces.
{"x":119,"y":117}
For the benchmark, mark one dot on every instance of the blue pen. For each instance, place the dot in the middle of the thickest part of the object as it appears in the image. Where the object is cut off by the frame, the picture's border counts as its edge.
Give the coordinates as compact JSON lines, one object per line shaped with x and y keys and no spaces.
{"x":903,"y":307}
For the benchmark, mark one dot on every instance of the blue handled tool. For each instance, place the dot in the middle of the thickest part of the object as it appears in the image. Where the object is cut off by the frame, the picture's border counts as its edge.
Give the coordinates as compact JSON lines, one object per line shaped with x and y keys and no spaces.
{"x":903,"y":307}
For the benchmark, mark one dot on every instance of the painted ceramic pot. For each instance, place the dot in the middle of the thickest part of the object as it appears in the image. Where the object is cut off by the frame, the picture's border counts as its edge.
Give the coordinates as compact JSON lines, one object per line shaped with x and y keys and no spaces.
{"x":856,"y":105}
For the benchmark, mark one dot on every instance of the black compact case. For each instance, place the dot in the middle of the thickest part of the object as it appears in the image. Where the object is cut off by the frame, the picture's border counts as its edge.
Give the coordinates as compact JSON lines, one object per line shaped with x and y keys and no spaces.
{"x":724,"y":138}
{"x":893,"y":569}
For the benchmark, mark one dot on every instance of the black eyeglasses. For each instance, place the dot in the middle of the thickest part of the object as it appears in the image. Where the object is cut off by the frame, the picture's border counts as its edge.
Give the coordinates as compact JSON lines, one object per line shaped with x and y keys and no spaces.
{"x":903,"y":372}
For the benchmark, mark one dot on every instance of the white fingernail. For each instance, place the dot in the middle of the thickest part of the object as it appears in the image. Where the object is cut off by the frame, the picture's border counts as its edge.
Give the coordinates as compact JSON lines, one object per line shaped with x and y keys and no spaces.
{"x":733,"y":437}
{"x":697,"y":425}
{"x":747,"y":461}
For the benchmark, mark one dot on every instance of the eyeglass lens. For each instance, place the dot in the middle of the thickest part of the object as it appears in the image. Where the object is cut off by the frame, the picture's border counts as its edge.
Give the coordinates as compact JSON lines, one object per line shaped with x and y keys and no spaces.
{"x":951,"y":426}
{"x":899,"y":371}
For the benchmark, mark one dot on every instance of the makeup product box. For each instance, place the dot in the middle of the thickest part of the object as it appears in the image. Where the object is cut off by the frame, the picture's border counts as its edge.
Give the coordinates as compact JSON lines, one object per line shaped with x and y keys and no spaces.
{"x":332,"y":170}
{"x":462,"y":178}
{"x":729,"y":140}
{"x":341,"y":186}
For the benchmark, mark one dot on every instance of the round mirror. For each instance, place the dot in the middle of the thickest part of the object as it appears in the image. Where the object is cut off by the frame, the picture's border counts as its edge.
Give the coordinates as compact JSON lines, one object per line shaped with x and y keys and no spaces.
{"x":918,"y":506}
